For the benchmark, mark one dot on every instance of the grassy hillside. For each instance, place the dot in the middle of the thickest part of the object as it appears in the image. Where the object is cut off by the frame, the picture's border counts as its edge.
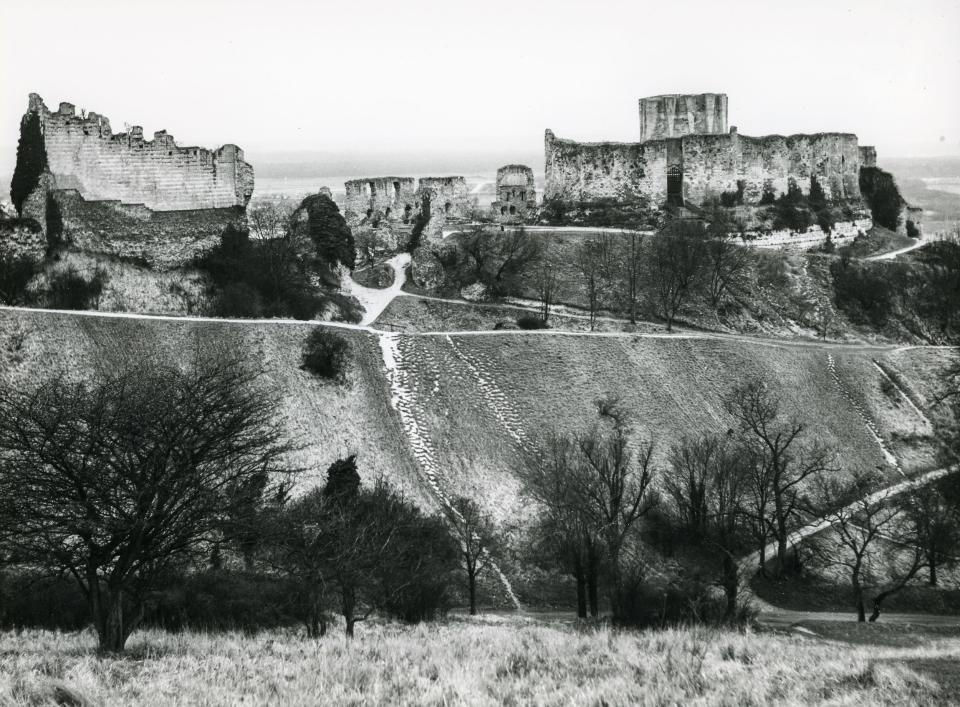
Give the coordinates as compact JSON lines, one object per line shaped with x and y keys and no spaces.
{"x":330,"y":421}
{"x":483,"y":401}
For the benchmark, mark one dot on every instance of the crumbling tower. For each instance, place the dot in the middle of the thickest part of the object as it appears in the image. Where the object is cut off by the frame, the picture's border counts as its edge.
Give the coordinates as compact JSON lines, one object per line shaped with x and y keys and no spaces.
{"x":676,"y":115}
{"x":516,"y":194}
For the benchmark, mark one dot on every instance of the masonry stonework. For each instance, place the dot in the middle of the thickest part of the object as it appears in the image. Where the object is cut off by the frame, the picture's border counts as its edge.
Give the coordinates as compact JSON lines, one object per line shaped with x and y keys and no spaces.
{"x":676,"y":115}
{"x":447,"y":195}
{"x":389,"y":197}
{"x":516,"y":194}
{"x":683,"y":158}
{"x":397,"y":199}
{"x":126,"y":196}
{"x":84,"y":154}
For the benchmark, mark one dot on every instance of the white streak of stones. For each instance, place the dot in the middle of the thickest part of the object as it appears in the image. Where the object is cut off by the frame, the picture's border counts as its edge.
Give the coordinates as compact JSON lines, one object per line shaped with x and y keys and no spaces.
{"x":861,"y":411}
{"x":903,"y":393}
{"x":495,"y":399}
{"x":403,"y":400}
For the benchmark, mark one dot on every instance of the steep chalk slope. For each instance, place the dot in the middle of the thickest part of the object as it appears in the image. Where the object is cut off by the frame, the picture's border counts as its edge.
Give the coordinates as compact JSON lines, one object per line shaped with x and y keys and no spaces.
{"x":445,"y":415}
{"x":329,"y":421}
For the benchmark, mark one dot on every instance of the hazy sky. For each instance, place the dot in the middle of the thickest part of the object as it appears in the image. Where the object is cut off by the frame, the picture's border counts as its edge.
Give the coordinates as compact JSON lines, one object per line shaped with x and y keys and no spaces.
{"x":409,"y":75}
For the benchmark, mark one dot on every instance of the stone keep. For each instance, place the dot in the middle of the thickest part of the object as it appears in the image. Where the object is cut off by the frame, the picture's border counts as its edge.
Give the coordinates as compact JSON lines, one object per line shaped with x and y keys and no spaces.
{"x":119,"y":194}
{"x":516,"y":193}
{"x":687,"y":154}
{"x":676,"y":115}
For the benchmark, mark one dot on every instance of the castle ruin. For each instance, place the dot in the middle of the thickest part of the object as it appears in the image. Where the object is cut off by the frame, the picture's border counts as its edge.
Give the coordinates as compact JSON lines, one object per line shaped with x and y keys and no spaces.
{"x":122,"y":194}
{"x":396,"y":200}
{"x":687,"y":155}
{"x":516,"y":194}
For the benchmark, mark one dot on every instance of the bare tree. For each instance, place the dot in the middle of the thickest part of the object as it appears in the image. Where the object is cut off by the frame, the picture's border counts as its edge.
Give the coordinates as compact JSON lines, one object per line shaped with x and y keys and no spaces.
{"x":632,"y":264}
{"x":858,"y":526}
{"x":708,"y":482}
{"x":477,"y":536}
{"x":676,"y":265}
{"x":594,"y":261}
{"x":497,"y":259}
{"x":934,"y":523}
{"x":614,"y":488}
{"x":726,"y":261}
{"x":785,"y":462}
{"x":546,"y":279}
{"x":298,"y":548}
{"x":564,"y":529}
{"x":113,"y":481}
{"x":689,"y":481}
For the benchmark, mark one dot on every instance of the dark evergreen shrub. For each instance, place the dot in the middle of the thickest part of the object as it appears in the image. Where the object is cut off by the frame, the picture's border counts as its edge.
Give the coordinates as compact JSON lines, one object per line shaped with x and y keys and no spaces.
{"x":71,"y":290}
{"x":865,"y":291}
{"x":769,"y":196}
{"x":912,"y":230}
{"x":222,"y":600}
{"x":329,"y":232}
{"x":343,"y":479}
{"x":31,"y":600}
{"x":245,"y":286}
{"x":531,"y":321}
{"x":880,"y":191}
{"x":237,"y":300}
{"x":416,"y":234}
{"x":31,"y":160}
{"x":325,"y":354}
{"x":15,"y":275}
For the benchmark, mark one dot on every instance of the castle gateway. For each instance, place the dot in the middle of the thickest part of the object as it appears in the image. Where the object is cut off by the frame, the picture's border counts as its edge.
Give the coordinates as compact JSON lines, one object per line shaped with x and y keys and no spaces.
{"x":687,"y":155}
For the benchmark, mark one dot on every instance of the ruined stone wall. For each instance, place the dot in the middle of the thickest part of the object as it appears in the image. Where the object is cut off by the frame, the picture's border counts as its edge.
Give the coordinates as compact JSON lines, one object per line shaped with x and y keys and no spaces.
{"x":84,"y":154}
{"x":709,"y":164}
{"x":448,"y":196}
{"x":582,"y":171}
{"x":868,"y":156}
{"x":387,"y":197}
{"x":165,"y":239}
{"x":713,"y":164}
{"x":676,"y":115}
{"x":516,"y":193}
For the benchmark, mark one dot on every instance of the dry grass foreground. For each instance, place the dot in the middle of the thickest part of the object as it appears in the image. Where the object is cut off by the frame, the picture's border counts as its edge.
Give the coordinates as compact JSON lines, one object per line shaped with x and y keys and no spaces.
{"x":484,"y":663}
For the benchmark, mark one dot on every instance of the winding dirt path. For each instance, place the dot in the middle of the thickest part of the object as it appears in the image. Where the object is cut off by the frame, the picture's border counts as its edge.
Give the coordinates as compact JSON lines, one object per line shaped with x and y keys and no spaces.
{"x":375,"y":300}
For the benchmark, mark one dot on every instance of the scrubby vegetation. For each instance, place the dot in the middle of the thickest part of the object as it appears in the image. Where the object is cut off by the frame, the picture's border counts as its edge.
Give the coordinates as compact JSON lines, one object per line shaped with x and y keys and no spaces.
{"x":287,"y":268}
{"x":630,"y":211}
{"x":922,"y":293}
{"x":70,"y":289}
{"x":326,"y":355}
{"x":15,"y":275}
{"x":530,"y":321}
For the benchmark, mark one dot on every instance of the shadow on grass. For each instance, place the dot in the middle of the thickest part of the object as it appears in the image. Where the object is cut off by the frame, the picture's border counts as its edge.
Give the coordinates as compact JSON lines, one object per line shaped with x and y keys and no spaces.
{"x":890,"y":635}
{"x":944,"y":671}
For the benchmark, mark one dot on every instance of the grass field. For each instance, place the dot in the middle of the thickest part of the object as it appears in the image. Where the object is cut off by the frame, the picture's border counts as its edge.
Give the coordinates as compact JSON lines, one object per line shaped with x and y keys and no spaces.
{"x":485,"y":662}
